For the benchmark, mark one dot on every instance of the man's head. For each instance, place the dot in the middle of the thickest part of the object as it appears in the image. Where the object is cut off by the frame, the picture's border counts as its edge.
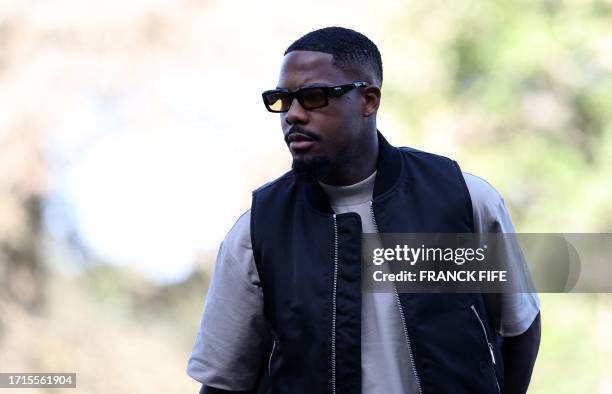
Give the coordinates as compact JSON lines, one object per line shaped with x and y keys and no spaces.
{"x":337,"y":141}
{"x":352,"y":52}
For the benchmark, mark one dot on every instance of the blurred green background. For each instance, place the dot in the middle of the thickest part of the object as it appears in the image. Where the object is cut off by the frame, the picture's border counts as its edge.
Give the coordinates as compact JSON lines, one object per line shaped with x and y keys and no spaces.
{"x":116,"y":119}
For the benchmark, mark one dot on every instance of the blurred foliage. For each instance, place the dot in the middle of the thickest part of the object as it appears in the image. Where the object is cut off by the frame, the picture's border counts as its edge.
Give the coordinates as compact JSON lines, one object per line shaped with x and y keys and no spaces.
{"x":572,"y":358}
{"x":520,"y":94}
{"x":122,"y":294}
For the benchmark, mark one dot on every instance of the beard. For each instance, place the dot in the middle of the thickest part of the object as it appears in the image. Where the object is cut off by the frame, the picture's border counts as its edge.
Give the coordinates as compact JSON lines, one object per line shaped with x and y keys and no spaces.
{"x":308,"y":169}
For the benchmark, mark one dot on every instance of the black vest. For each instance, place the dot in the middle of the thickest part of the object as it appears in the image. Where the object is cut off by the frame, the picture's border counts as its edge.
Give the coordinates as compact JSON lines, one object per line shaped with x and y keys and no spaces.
{"x":309,"y":263}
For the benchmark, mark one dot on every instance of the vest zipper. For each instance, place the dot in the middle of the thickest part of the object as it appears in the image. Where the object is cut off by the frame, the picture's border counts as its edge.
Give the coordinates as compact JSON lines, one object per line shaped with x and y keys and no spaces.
{"x":270,"y":360}
{"x":333,"y":336}
{"x":399,"y":305}
{"x":488,"y":342}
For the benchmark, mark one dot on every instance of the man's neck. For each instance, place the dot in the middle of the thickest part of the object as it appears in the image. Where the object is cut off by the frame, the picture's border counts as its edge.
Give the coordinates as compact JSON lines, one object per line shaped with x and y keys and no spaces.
{"x":362,"y":165}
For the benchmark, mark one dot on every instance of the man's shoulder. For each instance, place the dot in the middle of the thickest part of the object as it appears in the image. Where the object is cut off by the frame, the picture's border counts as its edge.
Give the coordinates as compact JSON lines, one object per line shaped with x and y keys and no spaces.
{"x":487,"y":202}
{"x":427,"y":157}
{"x":287,"y":177}
{"x":239,"y":236}
{"x":490,"y":213}
{"x":482,"y":193}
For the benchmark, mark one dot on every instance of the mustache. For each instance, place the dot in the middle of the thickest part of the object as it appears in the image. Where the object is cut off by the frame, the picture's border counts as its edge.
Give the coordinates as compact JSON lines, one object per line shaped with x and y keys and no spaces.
{"x":297,"y":129}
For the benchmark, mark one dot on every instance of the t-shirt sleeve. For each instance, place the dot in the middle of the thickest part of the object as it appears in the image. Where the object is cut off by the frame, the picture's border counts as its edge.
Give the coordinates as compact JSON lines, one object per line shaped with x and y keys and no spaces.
{"x":517,"y":310}
{"x":233,"y":336}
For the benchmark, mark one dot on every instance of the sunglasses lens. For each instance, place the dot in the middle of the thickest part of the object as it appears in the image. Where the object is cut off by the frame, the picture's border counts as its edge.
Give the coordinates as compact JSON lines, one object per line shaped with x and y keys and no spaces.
{"x":277,"y":101}
{"x":312,"y":98}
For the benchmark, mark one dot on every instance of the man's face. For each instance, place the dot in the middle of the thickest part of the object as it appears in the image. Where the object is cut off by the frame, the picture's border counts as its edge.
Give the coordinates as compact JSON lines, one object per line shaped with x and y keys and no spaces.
{"x":323,"y":137}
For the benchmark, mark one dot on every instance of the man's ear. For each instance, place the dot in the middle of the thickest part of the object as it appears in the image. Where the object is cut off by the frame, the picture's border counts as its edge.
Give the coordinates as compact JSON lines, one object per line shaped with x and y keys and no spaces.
{"x":371,"y":95}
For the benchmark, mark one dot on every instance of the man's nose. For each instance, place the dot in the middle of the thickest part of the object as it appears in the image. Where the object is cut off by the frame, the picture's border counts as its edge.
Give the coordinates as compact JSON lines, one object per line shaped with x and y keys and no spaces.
{"x":296,"y":113}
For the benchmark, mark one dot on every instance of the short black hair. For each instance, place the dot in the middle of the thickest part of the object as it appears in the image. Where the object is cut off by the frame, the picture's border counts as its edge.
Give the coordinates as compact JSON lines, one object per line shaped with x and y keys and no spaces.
{"x":351,"y":50}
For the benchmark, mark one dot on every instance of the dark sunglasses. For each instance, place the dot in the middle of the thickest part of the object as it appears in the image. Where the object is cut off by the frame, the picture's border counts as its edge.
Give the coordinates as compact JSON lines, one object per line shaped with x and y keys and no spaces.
{"x":314,"y":97}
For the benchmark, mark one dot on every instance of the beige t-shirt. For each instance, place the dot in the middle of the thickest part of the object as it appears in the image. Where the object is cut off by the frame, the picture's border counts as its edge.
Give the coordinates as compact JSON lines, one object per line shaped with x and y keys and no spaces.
{"x":233,"y":337}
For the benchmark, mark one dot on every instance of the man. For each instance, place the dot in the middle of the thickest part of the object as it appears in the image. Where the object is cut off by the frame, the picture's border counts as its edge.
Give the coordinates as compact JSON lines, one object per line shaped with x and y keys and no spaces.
{"x":285,"y":312}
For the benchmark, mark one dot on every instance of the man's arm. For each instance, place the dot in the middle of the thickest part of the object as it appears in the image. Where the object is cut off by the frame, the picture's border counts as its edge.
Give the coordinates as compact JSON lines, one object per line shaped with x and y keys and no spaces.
{"x":515,"y":315}
{"x":233,"y":340}
{"x":519,"y":354}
